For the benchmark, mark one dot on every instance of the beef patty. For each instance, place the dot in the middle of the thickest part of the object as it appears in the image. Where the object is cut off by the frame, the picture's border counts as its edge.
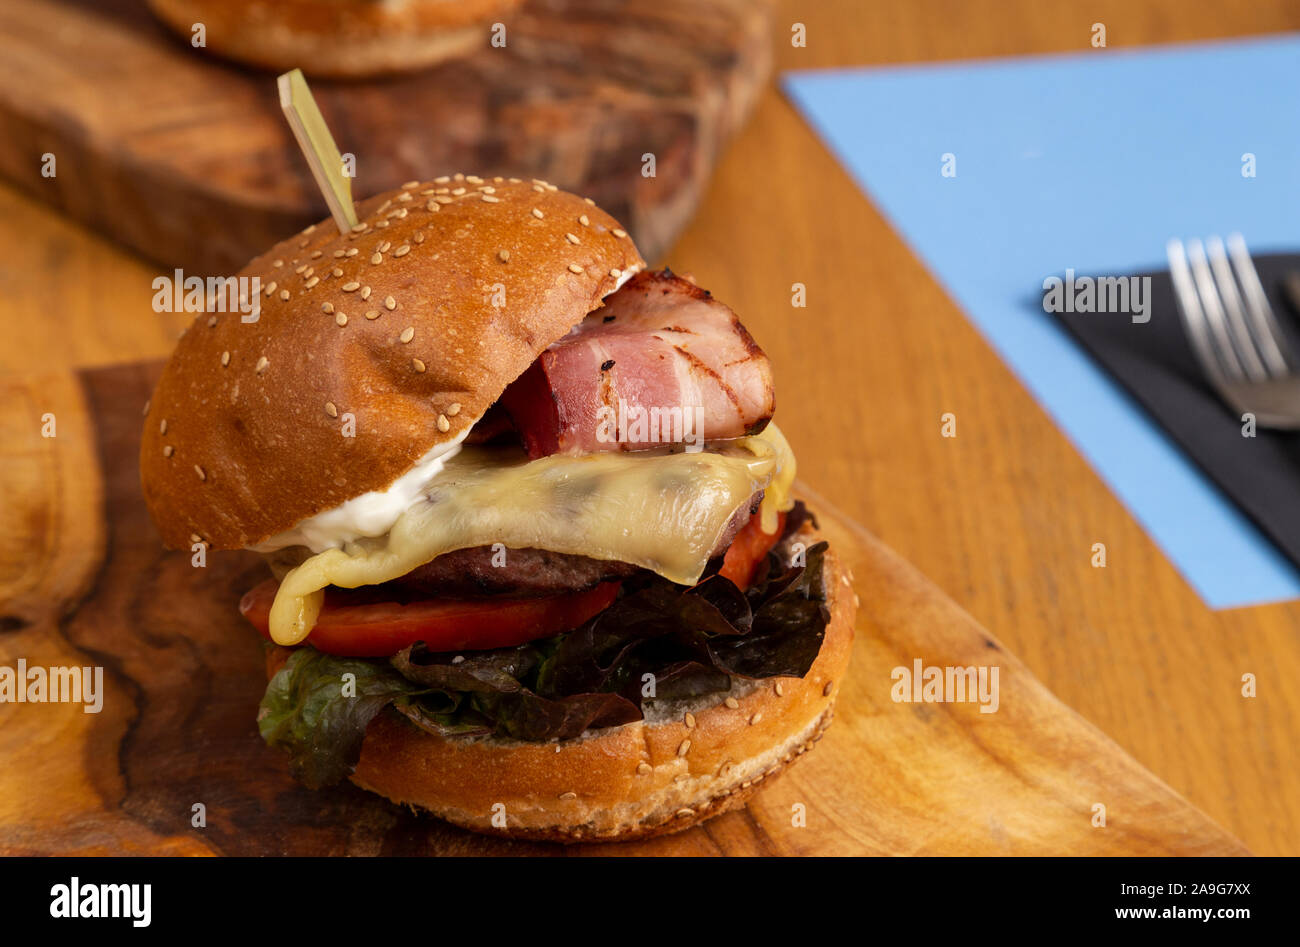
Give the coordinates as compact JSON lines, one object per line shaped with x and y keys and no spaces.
{"x":527,"y":572}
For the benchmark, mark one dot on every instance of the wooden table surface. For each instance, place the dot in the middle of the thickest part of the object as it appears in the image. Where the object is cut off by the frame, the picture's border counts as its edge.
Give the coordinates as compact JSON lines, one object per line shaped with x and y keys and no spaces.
{"x":1003,"y":517}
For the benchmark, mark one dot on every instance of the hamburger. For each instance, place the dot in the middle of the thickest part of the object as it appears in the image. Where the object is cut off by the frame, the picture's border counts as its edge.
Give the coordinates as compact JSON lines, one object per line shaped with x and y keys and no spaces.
{"x":337,"y":38}
{"x":534,"y":563}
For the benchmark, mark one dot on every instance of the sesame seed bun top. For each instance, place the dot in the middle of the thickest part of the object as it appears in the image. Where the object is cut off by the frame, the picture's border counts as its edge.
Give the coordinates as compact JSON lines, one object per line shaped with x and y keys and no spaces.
{"x":401,"y":332}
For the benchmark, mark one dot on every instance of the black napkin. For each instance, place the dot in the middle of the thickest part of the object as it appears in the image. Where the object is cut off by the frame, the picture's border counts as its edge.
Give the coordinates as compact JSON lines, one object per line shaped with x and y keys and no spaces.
{"x":1154,"y":361}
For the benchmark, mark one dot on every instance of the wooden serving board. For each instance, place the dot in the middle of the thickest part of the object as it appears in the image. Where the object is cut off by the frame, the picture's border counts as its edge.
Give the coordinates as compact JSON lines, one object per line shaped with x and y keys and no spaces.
{"x":187,"y":158}
{"x":84,"y":581}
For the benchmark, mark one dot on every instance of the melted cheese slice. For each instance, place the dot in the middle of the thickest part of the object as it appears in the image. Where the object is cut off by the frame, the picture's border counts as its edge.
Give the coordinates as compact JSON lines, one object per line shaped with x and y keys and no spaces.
{"x":658,"y":510}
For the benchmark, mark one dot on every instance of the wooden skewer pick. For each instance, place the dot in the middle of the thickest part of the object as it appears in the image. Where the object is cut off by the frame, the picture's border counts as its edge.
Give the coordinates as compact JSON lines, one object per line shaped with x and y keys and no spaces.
{"x":317,"y":144}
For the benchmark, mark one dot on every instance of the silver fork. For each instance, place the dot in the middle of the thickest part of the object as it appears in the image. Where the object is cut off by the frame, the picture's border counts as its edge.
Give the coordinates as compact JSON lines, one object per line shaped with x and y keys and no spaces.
{"x":1233,"y":331}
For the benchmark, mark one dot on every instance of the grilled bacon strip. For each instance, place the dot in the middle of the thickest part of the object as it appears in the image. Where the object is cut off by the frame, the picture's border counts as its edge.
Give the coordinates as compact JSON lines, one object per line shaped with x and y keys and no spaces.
{"x":661,"y":349}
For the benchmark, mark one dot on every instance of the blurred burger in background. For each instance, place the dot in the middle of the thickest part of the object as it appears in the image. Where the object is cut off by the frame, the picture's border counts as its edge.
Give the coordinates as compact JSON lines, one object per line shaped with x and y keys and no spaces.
{"x":337,"y":38}
{"x":536,"y":567}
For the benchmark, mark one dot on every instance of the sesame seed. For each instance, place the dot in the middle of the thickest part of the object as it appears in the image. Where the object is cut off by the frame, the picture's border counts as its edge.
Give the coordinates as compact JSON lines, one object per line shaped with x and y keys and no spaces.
{"x":588,"y":200}
{"x":261,"y":364}
{"x":615,"y":272}
{"x":432,"y":204}
{"x":443,"y":423}
{"x":457,"y":191}
{"x":619,"y":233}
{"x":539,"y":189}
{"x":162,"y":428}
{"x":418,"y":366}
{"x":441,"y":180}
{"x":402,"y":197}
{"x":146,"y":407}
{"x":644,"y":769}
{"x":574,"y":268}
{"x":270,"y":288}
{"x":351,"y":287}
{"x":390,"y":303}
{"x":212,"y":322}
{"x":301,"y":268}
{"x":327,"y":308}
{"x":284,"y":295}
{"x":372,"y":314}
{"x":365,"y":292}
{"x":755,"y":719}
{"x":419,"y":237}
{"x":684,"y":748}
{"x":780,"y":691}
{"x":826,"y":691}
{"x":331,"y":410}
{"x":410,"y":185}
{"x":278,"y":263}
{"x":453,"y":409}
{"x":473,"y":179}
{"x":444,"y":199}
{"x":538,"y":214}
{"x":685,"y":813}
{"x":358,"y":228}
{"x":336,"y":272}
{"x":225,"y":359}
{"x":403,"y":250}
{"x":313,"y":281}
{"x":407,"y":334}
{"x":584,"y":220}
{"x":168,"y":450}
{"x":199,"y":470}
{"x":488,"y":188}
{"x":690,"y":720}
{"x":504,"y":256}
{"x":377,"y":258}
{"x":489,"y":199}
{"x":732,"y":703}
{"x":571,"y":238}
{"x":341,"y":319}
{"x":338,"y":253}
{"x":568,"y":795}
{"x":384,"y":247}
{"x":353,"y":251}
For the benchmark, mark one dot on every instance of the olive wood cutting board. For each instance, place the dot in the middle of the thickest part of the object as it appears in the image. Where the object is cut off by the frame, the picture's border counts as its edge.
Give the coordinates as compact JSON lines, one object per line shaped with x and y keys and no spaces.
{"x":187,"y":158}
{"x":85,"y":581}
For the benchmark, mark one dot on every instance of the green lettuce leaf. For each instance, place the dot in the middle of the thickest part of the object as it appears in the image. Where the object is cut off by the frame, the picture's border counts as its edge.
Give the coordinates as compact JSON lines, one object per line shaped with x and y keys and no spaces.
{"x":305,"y":710}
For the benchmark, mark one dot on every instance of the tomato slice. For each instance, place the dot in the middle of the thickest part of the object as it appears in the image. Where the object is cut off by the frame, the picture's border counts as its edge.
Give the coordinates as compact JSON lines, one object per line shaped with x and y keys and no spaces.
{"x":748,"y":549}
{"x":379,"y":629}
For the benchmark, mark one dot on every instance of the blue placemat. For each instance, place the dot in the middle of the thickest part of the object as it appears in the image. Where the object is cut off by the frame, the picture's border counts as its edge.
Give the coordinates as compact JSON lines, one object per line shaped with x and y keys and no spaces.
{"x":1090,"y":162}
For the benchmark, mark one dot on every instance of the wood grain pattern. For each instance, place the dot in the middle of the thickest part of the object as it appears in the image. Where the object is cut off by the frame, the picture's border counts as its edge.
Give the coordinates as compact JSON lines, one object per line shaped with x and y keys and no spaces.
{"x":201,"y":171}
{"x":185,"y":674}
{"x":1002,"y":518}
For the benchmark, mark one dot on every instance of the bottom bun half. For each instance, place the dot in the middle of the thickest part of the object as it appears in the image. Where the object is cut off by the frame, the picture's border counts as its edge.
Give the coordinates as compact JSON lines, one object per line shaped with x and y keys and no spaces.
{"x":686,"y":762}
